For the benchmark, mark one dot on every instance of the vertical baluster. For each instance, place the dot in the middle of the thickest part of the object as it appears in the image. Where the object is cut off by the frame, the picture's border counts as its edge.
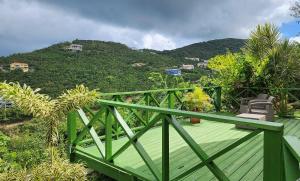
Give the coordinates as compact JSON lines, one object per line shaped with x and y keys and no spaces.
{"x":117,"y":98}
{"x":147,"y":102}
{"x":165,"y":150}
{"x":108,"y":134}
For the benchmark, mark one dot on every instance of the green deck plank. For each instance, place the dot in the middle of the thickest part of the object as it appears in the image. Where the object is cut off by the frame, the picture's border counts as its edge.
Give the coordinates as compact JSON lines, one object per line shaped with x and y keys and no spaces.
{"x":238,"y":155}
{"x":258,"y":168}
{"x":204,"y":134}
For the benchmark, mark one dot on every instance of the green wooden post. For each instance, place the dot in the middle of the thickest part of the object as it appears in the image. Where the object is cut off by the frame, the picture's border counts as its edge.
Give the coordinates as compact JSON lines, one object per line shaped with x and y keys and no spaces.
{"x":273,"y":156}
{"x":165,"y":151}
{"x":108,"y":134}
{"x":147,"y":102}
{"x":171,"y":100}
{"x":117,"y":98}
{"x":218,"y":101}
{"x":72,"y":134}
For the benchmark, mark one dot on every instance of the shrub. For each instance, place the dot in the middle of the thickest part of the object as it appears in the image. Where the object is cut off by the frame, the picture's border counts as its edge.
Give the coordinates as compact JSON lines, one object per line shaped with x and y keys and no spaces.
{"x":58,"y":169}
{"x":198,"y":100}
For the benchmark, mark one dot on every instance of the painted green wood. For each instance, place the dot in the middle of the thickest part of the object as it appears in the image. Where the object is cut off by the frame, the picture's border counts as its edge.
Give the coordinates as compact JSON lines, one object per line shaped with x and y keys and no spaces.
{"x":72,"y":133}
{"x":86,"y":129}
{"x":273,"y":156}
{"x":135,"y":113}
{"x":104,"y":167}
{"x":152,"y":122}
{"x":293,"y":144}
{"x":243,"y":165}
{"x":93,"y":133}
{"x":154,"y":100}
{"x":197,"y":149}
{"x":138,"y":146}
{"x":218,"y":154}
{"x":165,"y":151}
{"x":88,"y":110}
{"x":108,"y":134}
{"x":291,"y":158}
{"x":178,"y":98}
{"x":273,"y":126}
{"x":143,"y":92}
{"x":212,"y":137}
{"x":147,"y":102}
{"x":171,"y":100}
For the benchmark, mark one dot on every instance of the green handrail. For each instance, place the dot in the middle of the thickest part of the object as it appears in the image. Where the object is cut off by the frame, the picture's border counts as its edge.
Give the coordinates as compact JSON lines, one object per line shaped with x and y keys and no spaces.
{"x":273,"y":160}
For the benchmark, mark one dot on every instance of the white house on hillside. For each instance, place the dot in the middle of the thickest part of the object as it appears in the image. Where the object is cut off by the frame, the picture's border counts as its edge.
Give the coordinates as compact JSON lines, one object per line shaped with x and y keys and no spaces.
{"x":187,"y":67}
{"x":75,"y":48}
{"x":203,"y":64}
{"x":192,"y":58}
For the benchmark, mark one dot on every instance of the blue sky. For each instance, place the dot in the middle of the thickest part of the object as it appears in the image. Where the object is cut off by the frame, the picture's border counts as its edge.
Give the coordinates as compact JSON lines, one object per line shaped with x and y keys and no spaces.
{"x":290,"y":29}
{"x":26,"y":25}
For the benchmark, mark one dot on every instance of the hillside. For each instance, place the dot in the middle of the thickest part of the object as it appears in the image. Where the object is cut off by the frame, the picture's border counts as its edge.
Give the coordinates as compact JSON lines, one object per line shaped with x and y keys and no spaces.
{"x":107,"y":66}
{"x":206,"y":50}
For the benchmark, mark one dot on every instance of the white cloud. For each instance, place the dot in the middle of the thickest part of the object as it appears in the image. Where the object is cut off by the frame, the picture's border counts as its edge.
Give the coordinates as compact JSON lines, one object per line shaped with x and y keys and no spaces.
{"x":295,"y":39}
{"x":26,"y":25}
{"x":158,"y":42}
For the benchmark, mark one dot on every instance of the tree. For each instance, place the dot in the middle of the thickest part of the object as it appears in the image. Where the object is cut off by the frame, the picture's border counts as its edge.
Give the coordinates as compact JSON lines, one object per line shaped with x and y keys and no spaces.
{"x":41,"y":106}
{"x":52,"y":112}
{"x":296,"y":9}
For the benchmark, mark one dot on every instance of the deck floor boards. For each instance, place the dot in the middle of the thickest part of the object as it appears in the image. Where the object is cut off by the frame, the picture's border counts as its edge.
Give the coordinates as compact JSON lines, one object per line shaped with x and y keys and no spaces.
{"x":244,"y":162}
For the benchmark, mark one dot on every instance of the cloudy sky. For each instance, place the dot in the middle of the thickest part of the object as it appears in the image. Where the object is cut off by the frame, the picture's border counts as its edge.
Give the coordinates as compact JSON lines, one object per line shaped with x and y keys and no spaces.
{"x":26,"y":25}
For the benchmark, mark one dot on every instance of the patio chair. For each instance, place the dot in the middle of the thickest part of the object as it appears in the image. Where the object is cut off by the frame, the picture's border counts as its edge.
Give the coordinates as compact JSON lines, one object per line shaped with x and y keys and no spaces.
{"x":244,"y":106}
{"x":264,"y":107}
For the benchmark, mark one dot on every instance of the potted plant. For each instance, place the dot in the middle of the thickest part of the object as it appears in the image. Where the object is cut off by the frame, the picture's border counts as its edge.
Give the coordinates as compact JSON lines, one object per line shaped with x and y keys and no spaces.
{"x":197,"y":101}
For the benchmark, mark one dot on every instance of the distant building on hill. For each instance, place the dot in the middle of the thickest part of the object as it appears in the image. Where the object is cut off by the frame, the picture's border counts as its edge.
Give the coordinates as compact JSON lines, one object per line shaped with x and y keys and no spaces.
{"x":203,"y":64}
{"x":75,"y":48}
{"x":192,"y":58}
{"x":18,"y":65}
{"x":187,"y":67}
{"x":175,"y":72}
{"x":138,"y":64}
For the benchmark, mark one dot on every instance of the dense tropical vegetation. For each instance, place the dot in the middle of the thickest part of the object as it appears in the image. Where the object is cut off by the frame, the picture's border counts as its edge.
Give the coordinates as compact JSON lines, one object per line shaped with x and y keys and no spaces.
{"x":106,"y":66}
{"x":266,"y":61}
{"x":37,"y":149}
{"x":41,"y":150}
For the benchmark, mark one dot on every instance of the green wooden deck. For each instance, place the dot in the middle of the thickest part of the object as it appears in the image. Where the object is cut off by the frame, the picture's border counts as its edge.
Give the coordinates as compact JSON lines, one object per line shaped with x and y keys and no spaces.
{"x":244,"y":162}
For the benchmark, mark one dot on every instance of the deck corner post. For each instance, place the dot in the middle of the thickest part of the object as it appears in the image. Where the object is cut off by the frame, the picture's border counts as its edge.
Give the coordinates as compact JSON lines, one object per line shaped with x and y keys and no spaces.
{"x":165,"y":151}
{"x":171,"y":99}
{"x":108,"y":133}
{"x":273,"y":168}
{"x":218,"y":100}
{"x":147,"y":102}
{"x":72,"y":134}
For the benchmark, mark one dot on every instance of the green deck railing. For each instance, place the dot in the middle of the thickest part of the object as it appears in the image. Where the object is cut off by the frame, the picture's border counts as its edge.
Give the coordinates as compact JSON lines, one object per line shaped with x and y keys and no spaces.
{"x":165,"y":113}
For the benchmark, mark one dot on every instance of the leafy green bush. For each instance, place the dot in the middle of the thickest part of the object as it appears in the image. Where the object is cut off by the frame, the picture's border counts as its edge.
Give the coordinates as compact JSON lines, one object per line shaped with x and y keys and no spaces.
{"x":57,"y":170}
{"x":198,"y":101}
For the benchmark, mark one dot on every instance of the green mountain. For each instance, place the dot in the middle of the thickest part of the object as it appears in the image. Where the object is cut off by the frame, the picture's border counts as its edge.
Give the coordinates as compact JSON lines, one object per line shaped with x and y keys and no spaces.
{"x":206,"y":50}
{"x":107,"y":66}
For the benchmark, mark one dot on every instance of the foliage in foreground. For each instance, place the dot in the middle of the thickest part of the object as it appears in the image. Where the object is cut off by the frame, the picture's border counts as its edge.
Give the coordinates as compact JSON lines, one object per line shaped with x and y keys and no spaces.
{"x":266,"y":61}
{"x":41,"y":106}
{"x":55,"y":169}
